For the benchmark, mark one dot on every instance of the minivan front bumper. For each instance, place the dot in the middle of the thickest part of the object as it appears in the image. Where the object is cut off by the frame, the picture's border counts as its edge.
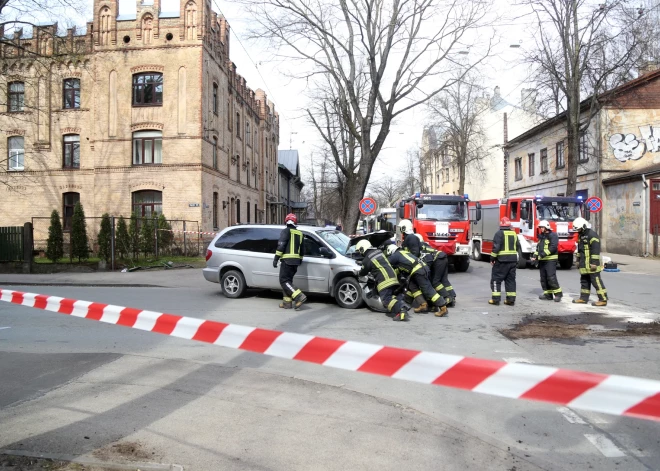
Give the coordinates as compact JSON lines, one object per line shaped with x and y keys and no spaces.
{"x":211,"y":274}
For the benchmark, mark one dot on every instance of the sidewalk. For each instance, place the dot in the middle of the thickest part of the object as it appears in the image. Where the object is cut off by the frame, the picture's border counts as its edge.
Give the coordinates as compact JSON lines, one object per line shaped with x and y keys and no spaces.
{"x":630,"y":264}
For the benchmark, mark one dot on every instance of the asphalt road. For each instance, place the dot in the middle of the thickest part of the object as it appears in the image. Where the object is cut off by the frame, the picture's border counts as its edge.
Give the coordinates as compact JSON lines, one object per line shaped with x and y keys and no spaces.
{"x":77,"y":387}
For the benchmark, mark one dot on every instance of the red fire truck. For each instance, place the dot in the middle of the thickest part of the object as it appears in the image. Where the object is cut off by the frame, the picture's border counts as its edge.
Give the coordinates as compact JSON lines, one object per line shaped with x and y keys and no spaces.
{"x":443,"y":222}
{"x":525,"y":213}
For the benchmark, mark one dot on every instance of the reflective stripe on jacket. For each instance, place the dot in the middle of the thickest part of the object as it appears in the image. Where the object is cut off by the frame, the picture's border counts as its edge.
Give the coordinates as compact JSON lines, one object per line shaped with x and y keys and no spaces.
{"x":547,"y":247}
{"x":405,"y":262}
{"x":290,"y":246}
{"x":505,"y":246}
{"x":589,"y":252}
{"x":376,"y":263}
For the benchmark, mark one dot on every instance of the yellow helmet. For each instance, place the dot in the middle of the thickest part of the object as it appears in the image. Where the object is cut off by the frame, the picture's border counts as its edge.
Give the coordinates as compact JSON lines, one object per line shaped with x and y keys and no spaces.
{"x":363,"y":246}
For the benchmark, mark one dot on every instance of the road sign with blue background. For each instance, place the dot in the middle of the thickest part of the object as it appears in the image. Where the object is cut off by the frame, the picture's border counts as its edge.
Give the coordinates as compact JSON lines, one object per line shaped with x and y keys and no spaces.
{"x":367,"y":206}
{"x":594,"y":204}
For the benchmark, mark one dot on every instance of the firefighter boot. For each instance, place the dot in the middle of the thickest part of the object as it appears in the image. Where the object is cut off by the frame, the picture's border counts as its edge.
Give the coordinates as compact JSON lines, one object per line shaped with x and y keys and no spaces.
{"x":440,"y":311}
{"x":451,"y":302}
{"x":580,"y":301}
{"x":599,"y":303}
{"x":493,"y":302}
{"x":286,"y":303}
{"x":422,"y":305}
{"x":558,"y":298}
{"x":299,"y":301}
{"x":509,"y":303}
{"x":546,"y":297}
{"x":401,"y":317}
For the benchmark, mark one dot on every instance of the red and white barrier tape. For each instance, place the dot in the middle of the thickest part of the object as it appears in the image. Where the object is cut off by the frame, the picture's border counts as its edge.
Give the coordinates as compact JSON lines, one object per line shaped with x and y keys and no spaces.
{"x":189,"y":232}
{"x":611,"y":394}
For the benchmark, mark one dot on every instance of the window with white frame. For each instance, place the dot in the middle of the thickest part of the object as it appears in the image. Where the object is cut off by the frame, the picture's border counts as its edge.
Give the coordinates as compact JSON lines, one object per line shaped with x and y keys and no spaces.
{"x":16,"y":152}
{"x":583,"y":148}
{"x":518,"y":167}
{"x":16,"y":97}
{"x":71,"y":151}
{"x":560,"y":155}
{"x":544,"y":160}
{"x":215,"y":153}
{"x":147,"y":147}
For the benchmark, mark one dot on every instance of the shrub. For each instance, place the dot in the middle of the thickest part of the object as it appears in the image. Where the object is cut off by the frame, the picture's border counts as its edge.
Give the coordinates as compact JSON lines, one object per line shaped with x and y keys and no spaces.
{"x":79,"y":242}
{"x":55,"y":246}
{"x":122,"y":240}
{"x":104,"y":238}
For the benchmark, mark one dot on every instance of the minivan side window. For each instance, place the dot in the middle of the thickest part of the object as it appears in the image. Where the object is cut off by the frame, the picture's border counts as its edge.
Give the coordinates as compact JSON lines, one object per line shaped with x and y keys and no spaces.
{"x":311,"y":248}
{"x":250,"y":239}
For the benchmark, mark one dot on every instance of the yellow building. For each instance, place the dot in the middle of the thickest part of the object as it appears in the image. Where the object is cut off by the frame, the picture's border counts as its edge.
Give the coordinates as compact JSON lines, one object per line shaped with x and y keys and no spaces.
{"x":143,"y":113}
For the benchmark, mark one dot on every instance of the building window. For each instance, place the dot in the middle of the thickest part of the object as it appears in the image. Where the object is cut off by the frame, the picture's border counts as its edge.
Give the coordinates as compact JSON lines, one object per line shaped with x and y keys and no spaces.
{"x":238,"y":125}
{"x":238,"y":168}
{"x":215,"y":153}
{"x":148,"y":89}
{"x":247,"y":207}
{"x":215,"y":210}
{"x":238,"y":211}
{"x":255,"y":213}
{"x":147,"y":202}
{"x":16,"y":97}
{"x":544,"y":160}
{"x":446,"y":175}
{"x":69,"y":201}
{"x":71,"y":94}
{"x":247,"y":134}
{"x":531,"y":159}
{"x":583,"y":148}
{"x":247,"y":173}
{"x":518,"y":166}
{"x":560,"y":155}
{"x":228,"y":116}
{"x":16,"y":153}
{"x":71,"y":148}
{"x":147,"y":147}
{"x":215,"y":98}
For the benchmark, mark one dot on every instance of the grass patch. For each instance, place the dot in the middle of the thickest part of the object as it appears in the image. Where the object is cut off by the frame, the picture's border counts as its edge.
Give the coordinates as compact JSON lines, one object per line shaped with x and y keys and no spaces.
{"x":66,"y":261}
{"x":142,"y":262}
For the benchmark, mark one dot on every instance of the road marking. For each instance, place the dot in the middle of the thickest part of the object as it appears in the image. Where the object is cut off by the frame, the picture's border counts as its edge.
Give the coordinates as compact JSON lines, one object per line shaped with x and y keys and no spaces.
{"x":571,"y":416}
{"x":517,"y":360}
{"x":604,"y":445}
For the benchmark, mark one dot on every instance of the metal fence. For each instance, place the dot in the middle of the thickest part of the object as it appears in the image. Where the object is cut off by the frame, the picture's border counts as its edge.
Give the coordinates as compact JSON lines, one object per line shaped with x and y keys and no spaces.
{"x":11,"y":244}
{"x":185,"y":238}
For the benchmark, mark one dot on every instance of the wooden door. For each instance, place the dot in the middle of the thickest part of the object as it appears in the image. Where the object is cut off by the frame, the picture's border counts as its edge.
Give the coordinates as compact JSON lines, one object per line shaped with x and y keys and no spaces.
{"x":655,"y":207}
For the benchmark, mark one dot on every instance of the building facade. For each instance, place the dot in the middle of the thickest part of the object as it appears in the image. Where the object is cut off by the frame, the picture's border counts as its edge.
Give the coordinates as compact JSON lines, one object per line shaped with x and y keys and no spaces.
{"x":143,"y":113}
{"x":291,"y":185}
{"x":619,"y":161}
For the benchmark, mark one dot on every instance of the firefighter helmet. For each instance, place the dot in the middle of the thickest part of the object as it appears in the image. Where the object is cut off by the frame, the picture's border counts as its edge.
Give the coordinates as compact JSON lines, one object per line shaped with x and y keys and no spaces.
{"x":363,"y":246}
{"x":545,"y":225}
{"x":406,"y":226}
{"x":391,"y":249}
{"x":580,"y":224}
{"x":505,"y":222}
{"x":291,"y":219}
{"x":420,"y":237}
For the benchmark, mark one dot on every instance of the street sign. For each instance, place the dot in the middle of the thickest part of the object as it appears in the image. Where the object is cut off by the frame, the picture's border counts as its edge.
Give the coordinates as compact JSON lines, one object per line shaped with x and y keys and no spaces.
{"x":594,"y":204}
{"x":367,"y":206}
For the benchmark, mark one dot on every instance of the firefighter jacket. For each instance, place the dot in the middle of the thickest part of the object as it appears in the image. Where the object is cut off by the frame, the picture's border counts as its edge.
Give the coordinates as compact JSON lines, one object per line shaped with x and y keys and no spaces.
{"x":547,"y":247}
{"x":505,"y":246}
{"x":290,"y":246}
{"x":412,"y":244}
{"x":405,"y":263}
{"x":430,"y":255}
{"x":589,"y":252}
{"x":375,"y":263}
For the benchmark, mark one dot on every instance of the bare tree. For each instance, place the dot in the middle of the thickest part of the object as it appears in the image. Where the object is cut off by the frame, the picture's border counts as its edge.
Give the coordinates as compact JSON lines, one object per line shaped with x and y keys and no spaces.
{"x":380,"y":59}
{"x":459,"y":111}
{"x":581,"y":48}
{"x":323,"y":192}
{"x":386,"y":191}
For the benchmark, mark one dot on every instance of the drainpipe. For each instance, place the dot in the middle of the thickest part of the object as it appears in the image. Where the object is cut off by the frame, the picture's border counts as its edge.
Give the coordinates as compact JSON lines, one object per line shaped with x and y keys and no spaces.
{"x":645,"y":219}
{"x":506,"y":157}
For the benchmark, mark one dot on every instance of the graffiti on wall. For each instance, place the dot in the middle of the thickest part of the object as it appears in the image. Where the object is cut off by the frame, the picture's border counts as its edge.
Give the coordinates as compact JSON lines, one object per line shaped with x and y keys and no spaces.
{"x":630,"y":147}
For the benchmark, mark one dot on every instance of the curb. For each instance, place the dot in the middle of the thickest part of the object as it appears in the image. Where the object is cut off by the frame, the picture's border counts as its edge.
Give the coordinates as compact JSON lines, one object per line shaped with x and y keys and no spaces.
{"x":92,"y":462}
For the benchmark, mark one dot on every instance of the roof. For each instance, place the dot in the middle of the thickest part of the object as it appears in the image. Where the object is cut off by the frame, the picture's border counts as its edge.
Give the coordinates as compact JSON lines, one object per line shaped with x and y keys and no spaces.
{"x":289,"y":160}
{"x":583,"y":105}
{"x":635,"y":174}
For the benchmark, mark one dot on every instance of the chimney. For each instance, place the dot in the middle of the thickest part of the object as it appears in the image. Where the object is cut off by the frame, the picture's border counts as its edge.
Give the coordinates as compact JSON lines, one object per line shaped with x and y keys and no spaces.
{"x":528,"y":99}
{"x":647,"y":67}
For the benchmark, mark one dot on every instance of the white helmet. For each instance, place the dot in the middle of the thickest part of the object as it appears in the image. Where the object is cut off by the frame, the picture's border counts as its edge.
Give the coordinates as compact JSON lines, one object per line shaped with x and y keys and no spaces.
{"x":391,"y":249}
{"x":545,"y":225}
{"x":420,"y":237}
{"x":406,"y":226}
{"x":580,"y":224}
{"x":363,"y":246}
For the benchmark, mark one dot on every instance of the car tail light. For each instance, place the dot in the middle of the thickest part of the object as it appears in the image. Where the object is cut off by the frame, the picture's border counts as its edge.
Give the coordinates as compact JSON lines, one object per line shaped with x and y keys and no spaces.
{"x":208,"y":255}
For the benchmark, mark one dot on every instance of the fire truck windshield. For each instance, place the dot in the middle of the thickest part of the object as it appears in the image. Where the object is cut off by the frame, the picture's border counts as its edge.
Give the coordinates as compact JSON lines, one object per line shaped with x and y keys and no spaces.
{"x":561,"y":212}
{"x":443,"y":211}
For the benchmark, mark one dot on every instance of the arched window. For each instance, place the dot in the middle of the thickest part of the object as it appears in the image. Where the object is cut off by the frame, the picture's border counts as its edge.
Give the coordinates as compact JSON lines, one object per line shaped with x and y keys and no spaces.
{"x":104,"y":26}
{"x":148,"y":89}
{"x":238,"y":211}
{"x":256,"y":218}
{"x":190,"y":21}
{"x":247,"y":207}
{"x":215,"y":210}
{"x":147,"y":202}
{"x":147,"y":147}
{"x":71,"y":151}
{"x":69,"y":201}
{"x":232,"y":213}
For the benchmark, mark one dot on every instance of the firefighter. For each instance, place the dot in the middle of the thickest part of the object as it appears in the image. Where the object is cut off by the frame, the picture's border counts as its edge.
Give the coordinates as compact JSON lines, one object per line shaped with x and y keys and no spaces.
{"x":588,"y":260}
{"x":417,"y":274}
{"x":438,"y":262}
{"x":376,"y":264}
{"x":290,"y":250}
{"x":410,"y":241}
{"x":546,"y":254}
{"x":504,"y":259}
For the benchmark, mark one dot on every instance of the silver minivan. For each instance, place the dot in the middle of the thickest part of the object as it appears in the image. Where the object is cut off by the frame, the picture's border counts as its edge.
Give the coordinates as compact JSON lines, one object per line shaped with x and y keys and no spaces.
{"x":241,"y":257}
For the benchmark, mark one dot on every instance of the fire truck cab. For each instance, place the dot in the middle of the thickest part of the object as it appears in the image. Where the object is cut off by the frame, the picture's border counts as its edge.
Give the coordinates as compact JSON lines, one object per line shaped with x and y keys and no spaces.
{"x":525,"y":213}
{"x":443,"y":222}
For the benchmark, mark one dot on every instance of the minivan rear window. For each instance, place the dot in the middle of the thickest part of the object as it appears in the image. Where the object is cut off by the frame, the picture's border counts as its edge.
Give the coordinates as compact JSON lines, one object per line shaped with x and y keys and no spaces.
{"x":250,"y":239}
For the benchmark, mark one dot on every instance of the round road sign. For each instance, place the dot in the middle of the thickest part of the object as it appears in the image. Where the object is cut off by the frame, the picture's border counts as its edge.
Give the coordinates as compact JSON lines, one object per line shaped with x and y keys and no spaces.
{"x":367,"y":206}
{"x":594,"y":204}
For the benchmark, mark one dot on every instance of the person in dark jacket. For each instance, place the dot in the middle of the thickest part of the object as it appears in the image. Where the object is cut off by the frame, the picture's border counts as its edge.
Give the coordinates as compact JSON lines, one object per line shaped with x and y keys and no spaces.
{"x":438,"y":262}
{"x":290,"y":250}
{"x":417,"y":276}
{"x":376,"y":264}
{"x":410,"y":241}
{"x":589,"y":263}
{"x":546,"y":254}
{"x":504,"y":259}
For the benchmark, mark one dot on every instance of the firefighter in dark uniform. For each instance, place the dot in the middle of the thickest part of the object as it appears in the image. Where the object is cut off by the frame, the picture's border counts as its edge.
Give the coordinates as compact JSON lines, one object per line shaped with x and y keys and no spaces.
{"x":417,"y":274}
{"x":290,"y":250}
{"x":546,"y":254}
{"x":589,"y":262}
{"x":504,"y":259}
{"x":409,"y":238}
{"x":438,"y":262}
{"x":376,"y":264}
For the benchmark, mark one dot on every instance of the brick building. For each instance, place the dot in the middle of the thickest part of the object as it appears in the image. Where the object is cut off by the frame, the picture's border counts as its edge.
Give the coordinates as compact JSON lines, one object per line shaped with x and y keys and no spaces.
{"x":619,"y":161}
{"x":142,"y":113}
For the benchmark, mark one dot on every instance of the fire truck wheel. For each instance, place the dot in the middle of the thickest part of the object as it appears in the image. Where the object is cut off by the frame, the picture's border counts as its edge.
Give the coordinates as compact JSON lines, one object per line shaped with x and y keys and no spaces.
{"x":461,"y":264}
{"x":566,"y":263}
{"x":522,"y":261}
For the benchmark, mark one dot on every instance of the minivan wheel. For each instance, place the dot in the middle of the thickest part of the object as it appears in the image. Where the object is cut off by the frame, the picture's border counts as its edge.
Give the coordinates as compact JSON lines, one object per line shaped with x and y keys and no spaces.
{"x":233,"y":284}
{"x":349,"y":293}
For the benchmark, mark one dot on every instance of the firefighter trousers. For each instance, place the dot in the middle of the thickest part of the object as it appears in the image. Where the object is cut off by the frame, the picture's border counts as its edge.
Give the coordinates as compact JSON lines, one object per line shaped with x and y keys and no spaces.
{"x":587,"y":280}
{"x":440,"y":277}
{"x":549,"y":282}
{"x":420,"y":285}
{"x":287,"y":272}
{"x":392,"y":303}
{"x":503,"y":272}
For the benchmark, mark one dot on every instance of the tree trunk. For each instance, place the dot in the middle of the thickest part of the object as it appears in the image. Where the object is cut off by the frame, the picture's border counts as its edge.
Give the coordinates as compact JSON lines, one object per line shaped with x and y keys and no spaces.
{"x":572,"y":161}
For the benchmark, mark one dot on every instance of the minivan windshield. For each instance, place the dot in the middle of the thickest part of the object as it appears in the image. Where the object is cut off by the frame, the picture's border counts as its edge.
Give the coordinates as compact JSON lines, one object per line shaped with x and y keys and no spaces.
{"x":337,"y":240}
